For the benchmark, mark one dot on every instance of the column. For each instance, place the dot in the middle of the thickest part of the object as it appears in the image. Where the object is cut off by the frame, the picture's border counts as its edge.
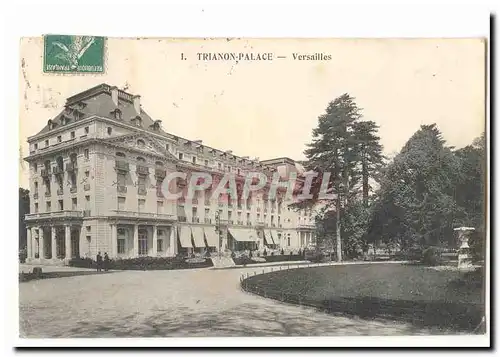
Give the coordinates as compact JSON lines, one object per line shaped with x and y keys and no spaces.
{"x":136,"y":241}
{"x":173,"y":240}
{"x":28,"y":243}
{"x":54,"y":242}
{"x":67,"y":241}
{"x":155,"y":239}
{"x":114,"y":241}
{"x":41,"y":243}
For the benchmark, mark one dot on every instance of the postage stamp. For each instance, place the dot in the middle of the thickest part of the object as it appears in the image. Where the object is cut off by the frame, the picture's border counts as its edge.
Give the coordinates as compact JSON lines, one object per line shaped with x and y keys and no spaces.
{"x":252,"y":187}
{"x":73,"y":54}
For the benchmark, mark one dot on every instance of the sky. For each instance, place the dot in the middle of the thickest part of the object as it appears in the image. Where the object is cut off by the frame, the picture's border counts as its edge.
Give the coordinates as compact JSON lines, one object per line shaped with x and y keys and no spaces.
{"x":268,"y":109}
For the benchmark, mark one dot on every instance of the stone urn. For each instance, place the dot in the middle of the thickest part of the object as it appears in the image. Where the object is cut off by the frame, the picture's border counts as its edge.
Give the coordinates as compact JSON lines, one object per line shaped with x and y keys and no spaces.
{"x":464,"y":255}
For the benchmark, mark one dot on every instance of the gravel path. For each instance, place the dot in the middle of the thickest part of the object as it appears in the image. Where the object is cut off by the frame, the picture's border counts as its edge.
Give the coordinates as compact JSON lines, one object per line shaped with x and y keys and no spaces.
{"x":202,"y":302}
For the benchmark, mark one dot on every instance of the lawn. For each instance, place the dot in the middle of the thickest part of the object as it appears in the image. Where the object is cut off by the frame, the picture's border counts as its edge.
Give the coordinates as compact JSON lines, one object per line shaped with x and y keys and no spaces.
{"x":404,"y":292}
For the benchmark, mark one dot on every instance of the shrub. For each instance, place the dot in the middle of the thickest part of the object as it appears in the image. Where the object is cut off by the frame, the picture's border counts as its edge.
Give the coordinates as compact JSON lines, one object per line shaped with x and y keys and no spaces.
{"x":22,"y":256}
{"x":146,"y":263}
{"x":431,"y":256}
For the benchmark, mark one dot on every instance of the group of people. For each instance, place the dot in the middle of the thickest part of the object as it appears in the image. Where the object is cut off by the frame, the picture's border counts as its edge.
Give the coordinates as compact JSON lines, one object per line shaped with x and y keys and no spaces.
{"x":102,"y":263}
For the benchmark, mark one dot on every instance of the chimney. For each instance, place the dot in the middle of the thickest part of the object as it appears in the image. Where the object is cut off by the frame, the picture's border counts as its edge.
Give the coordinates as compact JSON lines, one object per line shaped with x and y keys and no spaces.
{"x":114,"y":95}
{"x":137,"y":104}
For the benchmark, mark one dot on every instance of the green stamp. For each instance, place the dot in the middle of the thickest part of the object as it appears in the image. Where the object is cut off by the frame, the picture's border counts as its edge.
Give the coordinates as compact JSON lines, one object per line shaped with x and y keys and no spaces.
{"x":73,"y":54}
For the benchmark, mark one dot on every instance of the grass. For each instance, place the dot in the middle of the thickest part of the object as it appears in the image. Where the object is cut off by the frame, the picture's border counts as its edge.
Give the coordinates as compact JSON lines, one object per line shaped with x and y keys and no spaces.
{"x":404,"y":292}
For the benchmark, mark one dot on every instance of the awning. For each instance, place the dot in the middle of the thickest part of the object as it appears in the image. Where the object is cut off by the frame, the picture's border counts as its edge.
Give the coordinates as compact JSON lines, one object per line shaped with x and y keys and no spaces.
{"x":212,"y":236}
{"x":268,"y":237}
{"x":185,"y":237}
{"x":252,"y":234}
{"x":243,"y":235}
{"x":198,"y":237}
{"x":274,"y":234}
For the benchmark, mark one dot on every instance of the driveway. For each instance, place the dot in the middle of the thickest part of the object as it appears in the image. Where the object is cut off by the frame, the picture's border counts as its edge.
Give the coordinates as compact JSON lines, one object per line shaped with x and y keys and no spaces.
{"x":182,"y":303}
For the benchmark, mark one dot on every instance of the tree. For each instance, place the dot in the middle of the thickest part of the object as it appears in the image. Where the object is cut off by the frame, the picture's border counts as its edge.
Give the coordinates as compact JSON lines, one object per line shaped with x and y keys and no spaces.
{"x":416,"y":205}
{"x":348,"y":149}
{"x":24,"y":208}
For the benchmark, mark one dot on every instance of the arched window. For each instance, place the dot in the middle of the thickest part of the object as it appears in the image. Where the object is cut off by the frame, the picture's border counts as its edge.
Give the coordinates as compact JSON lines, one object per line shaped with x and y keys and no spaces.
{"x":159,"y":163}
{"x":141,"y":143}
{"x":59,"y":161}
{"x":140,"y":159}
{"x":120,"y":154}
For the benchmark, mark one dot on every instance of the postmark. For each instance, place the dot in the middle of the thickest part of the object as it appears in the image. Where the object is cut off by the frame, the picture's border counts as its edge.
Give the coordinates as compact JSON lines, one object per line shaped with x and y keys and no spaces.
{"x":73,"y":54}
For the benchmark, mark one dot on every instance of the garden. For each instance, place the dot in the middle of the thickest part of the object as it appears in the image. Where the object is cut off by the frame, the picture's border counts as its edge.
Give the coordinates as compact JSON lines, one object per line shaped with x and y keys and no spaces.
{"x":445,"y":299}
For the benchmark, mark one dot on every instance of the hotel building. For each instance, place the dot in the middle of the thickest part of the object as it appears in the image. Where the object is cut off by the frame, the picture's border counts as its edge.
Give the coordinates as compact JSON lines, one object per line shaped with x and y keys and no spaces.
{"x":96,"y":174}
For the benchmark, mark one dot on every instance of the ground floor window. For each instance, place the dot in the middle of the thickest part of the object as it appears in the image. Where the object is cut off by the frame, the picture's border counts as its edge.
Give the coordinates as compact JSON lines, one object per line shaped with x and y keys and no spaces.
{"x":121,"y":246}
{"x":143,"y":244}
{"x":159,"y":245}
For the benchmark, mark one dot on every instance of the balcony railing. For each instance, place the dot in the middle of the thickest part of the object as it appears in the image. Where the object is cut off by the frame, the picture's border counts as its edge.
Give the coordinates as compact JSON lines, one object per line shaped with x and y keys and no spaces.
{"x":160,"y":173}
{"x":57,"y":170}
{"x":122,"y":213}
{"x":86,"y":213}
{"x":260,"y":223}
{"x":122,"y":166}
{"x":306,"y":225}
{"x":56,"y":214}
{"x":230,"y":221}
{"x":86,"y":187}
{"x":121,"y":189}
{"x":142,"y":191}
{"x":249,"y":223}
{"x":240,"y":223}
{"x":258,"y":209}
{"x":60,"y":191}
{"x":208,"y":220}
{"x":273,"y":224}
{"x":45,"y":172}
{"x":71,"y":166}
{"x":182,"y":218}
{"x":73,"y":189}
{"x":142,"y":170}
{"x":195,"y":219}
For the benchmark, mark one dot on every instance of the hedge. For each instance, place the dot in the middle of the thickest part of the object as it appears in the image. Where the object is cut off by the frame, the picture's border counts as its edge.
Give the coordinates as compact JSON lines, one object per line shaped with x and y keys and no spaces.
{"x":145,"y":263}
{"x":245,"y":260}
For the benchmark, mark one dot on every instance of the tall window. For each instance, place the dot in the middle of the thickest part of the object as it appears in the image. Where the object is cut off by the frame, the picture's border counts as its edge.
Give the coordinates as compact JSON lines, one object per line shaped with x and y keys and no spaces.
{"x":36,"y":207}
{"x":61,"y":205}
{"x":86,"y":154}
{"x":194,"y":159}
{"x":74,"y":203}
{"x":142,"y":204}
{"x":181,"y":156}
{"x":159,"y":245}
{"x":159,"y":207}
{"x":36,"y":187}
{"x":143,"y":242}
{"x":121,"y":203}
{"x":49,"y":206}
{"x":121,"y":245}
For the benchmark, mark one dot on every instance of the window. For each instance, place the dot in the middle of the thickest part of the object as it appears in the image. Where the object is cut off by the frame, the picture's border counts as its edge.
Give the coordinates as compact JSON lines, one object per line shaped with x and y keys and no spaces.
{"x":159,"y":206}
{"x":35,"y":167}
{"x":118,"y":114}
{"x":74,"y":203}
{"x":36,"y":207}
{"x":110,"y":130}
{"x":143,"y":242}
{"x":121,"y":245}
{"x":121,"y":203}
{"x":87,"y":174}
{"x":47,"y":142}
{"x":206,"y":162}
{"x":89,"y":228}
{"x":36,"y":146}
{"x":36,"y":187}
{"x":61,"y":205}
{"x":140,"y":143}
{"x":229,"y":169}
{"x":258,"y":217}
{"x":86,"y":154}
{"x":194,"y":159}
{"x":288,"y":239}
{"x":181,"y":156}
{"x":229,"y":215}
{"x":248,"y":217}
{"x":239,"y":172}
{"x":195,"y":212}
{"x":219,"y":166}
{"x":72,"y":135}
{"x":59,"y":139}
{"x":159,"y":245}
{"x":141,"y":203}
{"x":207,"y":212}
{"x":87,"y":130}
{"x":49,"y":206}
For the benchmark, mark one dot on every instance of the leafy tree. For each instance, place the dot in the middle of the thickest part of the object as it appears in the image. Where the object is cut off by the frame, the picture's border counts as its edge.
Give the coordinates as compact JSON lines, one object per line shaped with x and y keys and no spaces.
{"x":24,"y":208}
{"x":416,"y":205}
{"x":348,"y":149}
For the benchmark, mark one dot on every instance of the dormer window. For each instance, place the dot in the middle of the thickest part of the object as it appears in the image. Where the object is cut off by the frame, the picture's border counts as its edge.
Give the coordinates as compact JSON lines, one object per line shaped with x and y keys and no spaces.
{"x":117,"y":114}
{"x":137,"y":121}
{"x":50,"y":124}
{"x":141,"y":143}
{"x":156,"y":125}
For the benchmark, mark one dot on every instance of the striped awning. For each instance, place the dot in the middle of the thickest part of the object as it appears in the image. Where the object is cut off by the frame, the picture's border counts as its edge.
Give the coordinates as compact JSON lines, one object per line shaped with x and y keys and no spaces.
{"x":268,"y":237}
{"x":198,"y":237}
{"x":211,"y":236}
{"x":252,"y":234}
{"x":243,"y":235}
{"x":185,"y":237}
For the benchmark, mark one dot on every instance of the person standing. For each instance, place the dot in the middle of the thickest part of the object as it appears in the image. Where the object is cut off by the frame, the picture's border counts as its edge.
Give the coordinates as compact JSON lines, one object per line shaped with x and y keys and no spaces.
{"x":99,"y":261}
{"x":106,"y":261}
